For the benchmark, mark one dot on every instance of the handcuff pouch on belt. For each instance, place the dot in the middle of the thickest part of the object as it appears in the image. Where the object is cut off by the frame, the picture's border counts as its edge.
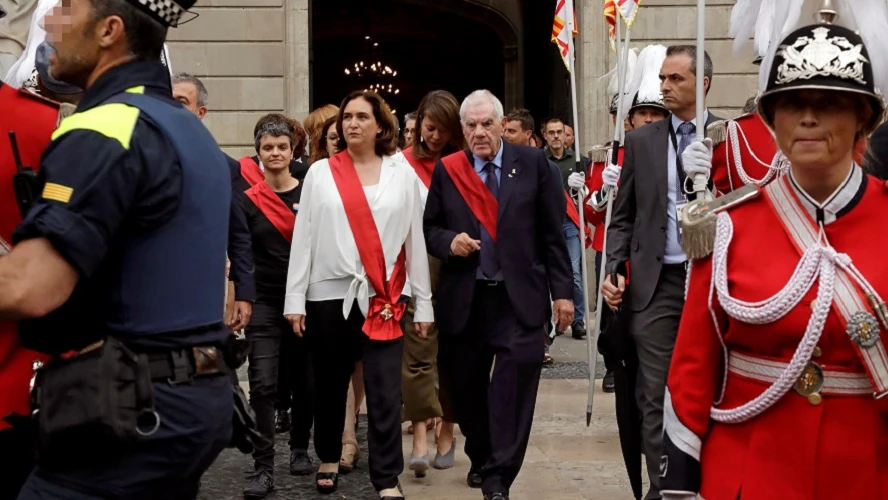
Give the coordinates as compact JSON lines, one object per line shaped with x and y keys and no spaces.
{"x":100,"y":399}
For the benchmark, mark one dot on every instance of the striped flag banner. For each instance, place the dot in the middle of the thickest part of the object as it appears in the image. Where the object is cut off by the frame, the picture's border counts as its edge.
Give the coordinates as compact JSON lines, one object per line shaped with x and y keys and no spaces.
{"x":610,"y":15}
{"x":563,"y":9}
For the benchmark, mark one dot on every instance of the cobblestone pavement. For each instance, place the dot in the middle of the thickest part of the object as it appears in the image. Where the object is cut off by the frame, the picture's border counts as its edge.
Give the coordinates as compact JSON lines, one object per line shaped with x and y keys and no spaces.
{"x":565,"y":459}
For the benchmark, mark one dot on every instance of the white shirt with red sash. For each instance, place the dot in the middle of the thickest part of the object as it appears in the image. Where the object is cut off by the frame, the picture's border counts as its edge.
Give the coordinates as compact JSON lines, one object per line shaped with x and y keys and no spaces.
{"x":324,"y":260}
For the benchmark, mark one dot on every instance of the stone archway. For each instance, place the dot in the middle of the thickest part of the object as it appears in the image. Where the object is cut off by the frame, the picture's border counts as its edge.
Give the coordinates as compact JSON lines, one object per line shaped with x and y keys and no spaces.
{"x":447,"y":28}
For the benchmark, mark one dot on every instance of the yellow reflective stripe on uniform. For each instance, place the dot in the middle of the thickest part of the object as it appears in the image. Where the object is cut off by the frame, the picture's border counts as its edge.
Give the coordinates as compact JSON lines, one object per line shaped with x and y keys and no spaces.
{"x":57,"y":192}
{"x":115,"y":121}
{"x":136,"y":90}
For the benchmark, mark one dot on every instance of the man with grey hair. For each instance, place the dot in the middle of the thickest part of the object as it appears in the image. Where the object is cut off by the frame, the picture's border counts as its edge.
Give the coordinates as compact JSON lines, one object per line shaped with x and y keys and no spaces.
{"x":192,"y":94}
{"x":495,"y":285}
{"x":409,"y":128}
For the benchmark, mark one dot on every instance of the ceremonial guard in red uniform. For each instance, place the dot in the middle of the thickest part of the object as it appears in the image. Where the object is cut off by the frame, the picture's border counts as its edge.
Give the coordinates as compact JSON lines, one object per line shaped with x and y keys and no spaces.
{"x":32,"y":119}
{"x":777,"y":380}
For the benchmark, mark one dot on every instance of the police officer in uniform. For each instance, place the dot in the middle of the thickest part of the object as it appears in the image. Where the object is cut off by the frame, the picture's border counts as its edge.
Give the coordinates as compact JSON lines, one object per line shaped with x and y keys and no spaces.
{"x":118,"y":269}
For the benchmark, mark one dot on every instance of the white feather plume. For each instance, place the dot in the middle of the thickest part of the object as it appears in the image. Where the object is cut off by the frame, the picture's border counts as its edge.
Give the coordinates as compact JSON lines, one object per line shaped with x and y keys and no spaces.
{"x":871,"y":20}
{"x":763,"y":27}
{"x":744,"y":21}
{"x":613,"y":87}
{"x":646,"y":81}
{"x":868,"y":17}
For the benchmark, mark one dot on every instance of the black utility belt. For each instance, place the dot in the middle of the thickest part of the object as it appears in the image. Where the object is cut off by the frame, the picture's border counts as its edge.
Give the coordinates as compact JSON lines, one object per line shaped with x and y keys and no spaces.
{"x":103,"y":397}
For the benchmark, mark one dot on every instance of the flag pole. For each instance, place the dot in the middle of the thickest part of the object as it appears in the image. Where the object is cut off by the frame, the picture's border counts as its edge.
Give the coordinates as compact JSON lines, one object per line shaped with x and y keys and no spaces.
{"x":581,"y":198}
{"x":622,"y":49}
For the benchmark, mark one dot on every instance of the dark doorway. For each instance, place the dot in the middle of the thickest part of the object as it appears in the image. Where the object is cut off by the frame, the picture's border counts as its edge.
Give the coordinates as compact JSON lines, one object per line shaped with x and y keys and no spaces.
{"x":420,"y":47}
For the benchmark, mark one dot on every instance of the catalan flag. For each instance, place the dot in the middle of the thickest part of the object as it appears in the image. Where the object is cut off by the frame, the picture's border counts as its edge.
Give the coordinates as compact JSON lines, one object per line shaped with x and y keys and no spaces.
{"x":564,"y":15}
{"x":610,"y":15}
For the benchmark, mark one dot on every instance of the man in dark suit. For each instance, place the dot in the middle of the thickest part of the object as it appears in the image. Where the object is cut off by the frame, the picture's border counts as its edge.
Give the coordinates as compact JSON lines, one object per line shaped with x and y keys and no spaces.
{"x":494,"y":217}
{"x":644,"y":228}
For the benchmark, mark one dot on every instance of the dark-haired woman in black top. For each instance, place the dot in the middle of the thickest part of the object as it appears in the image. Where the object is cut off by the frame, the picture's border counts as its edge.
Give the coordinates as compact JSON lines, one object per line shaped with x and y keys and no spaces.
{"x":271,"y":207}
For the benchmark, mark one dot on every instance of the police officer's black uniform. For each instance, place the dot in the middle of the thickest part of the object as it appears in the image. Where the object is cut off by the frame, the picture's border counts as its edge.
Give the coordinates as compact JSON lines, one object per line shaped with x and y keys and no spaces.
{"x":135,"y":196}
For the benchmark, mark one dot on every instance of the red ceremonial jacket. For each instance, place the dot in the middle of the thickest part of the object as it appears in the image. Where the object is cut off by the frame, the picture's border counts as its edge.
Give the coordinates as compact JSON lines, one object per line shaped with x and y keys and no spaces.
{"x":594,"y":183}
{"x":756,"y":146}
{"x":801,"y":448}
{"x":33,"y":120}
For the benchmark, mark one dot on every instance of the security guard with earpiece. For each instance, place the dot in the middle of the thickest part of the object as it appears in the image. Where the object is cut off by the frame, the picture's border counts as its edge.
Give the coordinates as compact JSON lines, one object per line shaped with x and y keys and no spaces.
{"x":118,"y":270}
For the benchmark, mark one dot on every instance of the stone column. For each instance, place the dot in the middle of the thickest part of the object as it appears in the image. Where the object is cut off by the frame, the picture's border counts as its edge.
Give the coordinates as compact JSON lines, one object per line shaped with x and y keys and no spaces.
{"x":514,"y":86}
{"x":296,"y":69}
{"x":594,"y":58}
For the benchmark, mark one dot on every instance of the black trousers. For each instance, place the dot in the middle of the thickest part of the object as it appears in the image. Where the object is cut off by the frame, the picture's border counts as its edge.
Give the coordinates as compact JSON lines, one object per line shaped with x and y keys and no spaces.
{"x":16,"y":461}
{"x":275,"y":348}
{"x":494,"y":412}
{"x":335,"y":344}
{"x":284,"y":392}
{"x":607,"y":319}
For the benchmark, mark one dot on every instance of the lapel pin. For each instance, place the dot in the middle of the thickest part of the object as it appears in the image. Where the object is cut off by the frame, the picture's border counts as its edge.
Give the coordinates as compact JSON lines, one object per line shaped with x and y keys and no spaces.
{"x":512,"y":173}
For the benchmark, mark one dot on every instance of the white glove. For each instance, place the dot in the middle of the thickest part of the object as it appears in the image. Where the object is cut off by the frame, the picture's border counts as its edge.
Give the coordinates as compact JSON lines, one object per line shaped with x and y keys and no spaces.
{"x":611,"y":175}
{"x":697,"y":159}
{"x":576,"y":181}
{"x":678,"y":496}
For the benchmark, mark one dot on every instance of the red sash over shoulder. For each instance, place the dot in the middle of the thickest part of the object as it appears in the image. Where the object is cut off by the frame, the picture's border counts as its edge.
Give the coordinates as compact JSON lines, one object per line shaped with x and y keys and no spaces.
{"x":480,"y":200}
{"x":273,"y":207}
{"x":385,"y":311}
{"x":250,"y":171}
{"x":424,"y":168}
{"x":574,"y":215}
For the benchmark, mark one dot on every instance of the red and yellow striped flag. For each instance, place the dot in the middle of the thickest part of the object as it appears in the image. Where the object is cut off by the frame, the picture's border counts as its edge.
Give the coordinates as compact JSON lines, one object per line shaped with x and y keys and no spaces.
{"x":610,"y":15}
{"x":563,"y":8}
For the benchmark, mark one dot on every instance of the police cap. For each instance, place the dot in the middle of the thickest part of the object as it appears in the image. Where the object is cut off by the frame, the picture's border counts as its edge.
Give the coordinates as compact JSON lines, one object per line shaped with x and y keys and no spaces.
{"x":166,"y":12}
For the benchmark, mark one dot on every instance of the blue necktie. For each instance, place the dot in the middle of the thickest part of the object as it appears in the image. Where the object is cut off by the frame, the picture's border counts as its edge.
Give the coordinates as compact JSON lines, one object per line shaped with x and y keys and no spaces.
{"x":489,"y":261}
{"x":686,"y":132}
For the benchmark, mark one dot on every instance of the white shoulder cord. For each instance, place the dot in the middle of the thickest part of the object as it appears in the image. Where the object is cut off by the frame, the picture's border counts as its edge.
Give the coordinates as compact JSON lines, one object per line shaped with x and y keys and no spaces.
{"x":775,"y":168}
{"x":818,"y":261}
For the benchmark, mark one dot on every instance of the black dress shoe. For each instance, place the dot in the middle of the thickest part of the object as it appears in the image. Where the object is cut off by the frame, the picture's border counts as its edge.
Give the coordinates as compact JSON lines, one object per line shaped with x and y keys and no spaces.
{"x":260,"y":485}
{"x":496,"y":496}
{"x":474,"y":479}
{"x":300,"y":463}
{"x":608,"y":385}
{"x":281,"y":421}
{"x":578,"y":331}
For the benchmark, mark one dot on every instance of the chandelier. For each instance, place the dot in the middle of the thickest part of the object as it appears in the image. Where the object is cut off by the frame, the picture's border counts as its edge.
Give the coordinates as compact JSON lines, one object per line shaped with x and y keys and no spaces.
{"x":377,"y":76}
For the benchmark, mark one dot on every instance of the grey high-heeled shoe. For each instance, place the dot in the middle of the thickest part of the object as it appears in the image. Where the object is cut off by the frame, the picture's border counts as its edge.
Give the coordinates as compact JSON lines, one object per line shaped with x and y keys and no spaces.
{"x":419,"y":465}
{"x":446,"y":460}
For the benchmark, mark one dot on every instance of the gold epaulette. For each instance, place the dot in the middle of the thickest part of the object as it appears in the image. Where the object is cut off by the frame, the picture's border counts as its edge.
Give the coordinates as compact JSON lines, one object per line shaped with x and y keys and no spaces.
{"x":699,"y":218}
{"x":717,"y":131}
{"x":598,"y":154}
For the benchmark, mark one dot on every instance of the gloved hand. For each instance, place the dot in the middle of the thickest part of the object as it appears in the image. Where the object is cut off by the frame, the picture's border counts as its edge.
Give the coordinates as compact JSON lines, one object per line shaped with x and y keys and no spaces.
{"x":678,"y":496}
{"x":576,"y":181}
{"x":697,"y":159}
{"x":611,"y":175}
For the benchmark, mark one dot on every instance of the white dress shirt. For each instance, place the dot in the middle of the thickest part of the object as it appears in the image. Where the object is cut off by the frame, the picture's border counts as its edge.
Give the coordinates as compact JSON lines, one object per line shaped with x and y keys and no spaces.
{"x":324,"y":260}
{"x":674,"y":253}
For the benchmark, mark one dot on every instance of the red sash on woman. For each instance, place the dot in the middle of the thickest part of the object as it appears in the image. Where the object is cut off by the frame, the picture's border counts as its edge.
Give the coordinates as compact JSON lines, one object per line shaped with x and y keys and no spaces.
{"x":273,"y":207}
{"x":476,"y":194}
{"x":250,"y":171}
{"x":424,"y":168}
{"x":385,"y":306}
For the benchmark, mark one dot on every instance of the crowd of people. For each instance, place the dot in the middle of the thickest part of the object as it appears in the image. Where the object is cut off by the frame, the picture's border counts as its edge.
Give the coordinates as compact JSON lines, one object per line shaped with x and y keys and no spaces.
{"x":422,"y":268}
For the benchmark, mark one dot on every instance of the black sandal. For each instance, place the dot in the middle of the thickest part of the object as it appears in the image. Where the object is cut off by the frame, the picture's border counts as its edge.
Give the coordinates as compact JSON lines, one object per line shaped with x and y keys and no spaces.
{"x":329,"y":476}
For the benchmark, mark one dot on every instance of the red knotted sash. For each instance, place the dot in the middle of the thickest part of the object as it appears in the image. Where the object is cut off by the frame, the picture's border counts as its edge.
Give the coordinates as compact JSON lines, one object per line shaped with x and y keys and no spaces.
{"x":250,"y":171}
{"x":574,"y":215}
{"x":476,"y":194}
{"x":385,"y":311}
{"x":423,"y":168}
{"x":273,"y":207}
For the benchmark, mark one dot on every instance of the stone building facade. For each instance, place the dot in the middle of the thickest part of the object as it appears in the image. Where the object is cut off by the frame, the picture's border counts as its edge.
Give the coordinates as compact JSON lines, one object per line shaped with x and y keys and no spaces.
{"x":254,"y":56}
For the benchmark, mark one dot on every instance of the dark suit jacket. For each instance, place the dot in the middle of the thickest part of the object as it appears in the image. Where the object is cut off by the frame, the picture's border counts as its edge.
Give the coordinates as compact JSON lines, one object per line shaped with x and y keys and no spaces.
{"x":530,"y":240}
{"x":240,"y":246}
{"x":637,"y":231}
